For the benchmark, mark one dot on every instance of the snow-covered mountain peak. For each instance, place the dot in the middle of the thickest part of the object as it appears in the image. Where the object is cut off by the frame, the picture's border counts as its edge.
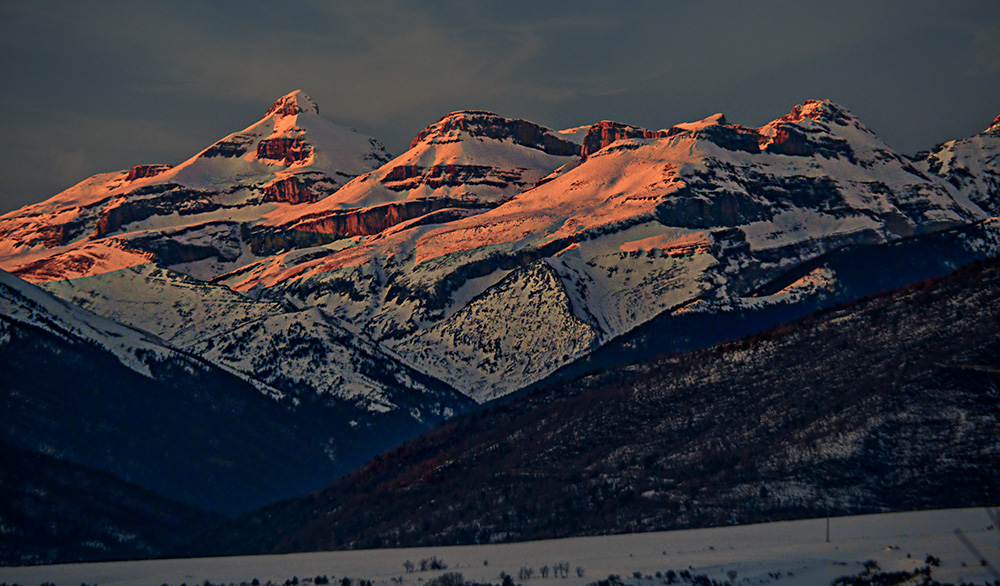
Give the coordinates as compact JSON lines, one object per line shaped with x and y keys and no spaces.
{"x":816,"y":116}
{"x":450,"y":126}
{"x":292,"y":133}
{"x":821,"y":127}
{"x":819,"y":110}
{"x":293,"y":103}
{"x":813,"y":127}
{"x":193,"y":212}
{"x":465,"y":124}
{"x":466,"y":159}
{"x":632,"y":221}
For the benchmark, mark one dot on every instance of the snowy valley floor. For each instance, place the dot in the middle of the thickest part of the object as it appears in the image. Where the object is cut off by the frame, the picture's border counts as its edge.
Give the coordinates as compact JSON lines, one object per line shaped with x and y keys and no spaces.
{"x":793,"y":552}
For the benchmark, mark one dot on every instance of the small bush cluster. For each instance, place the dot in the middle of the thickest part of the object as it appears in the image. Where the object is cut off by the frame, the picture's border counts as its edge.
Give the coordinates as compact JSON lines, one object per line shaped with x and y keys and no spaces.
{"x":557,"y":570}
{"x":674,"y":577}
{"x":448,"y":579}
{"x":431,"y":563}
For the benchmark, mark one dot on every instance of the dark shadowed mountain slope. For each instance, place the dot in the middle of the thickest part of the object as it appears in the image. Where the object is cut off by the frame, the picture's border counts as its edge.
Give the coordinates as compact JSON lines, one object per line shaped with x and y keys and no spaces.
{"x":889,"y":403}
{"x":93,"y":392}
{"x":52,"y":510}
{"x":199,"y":436}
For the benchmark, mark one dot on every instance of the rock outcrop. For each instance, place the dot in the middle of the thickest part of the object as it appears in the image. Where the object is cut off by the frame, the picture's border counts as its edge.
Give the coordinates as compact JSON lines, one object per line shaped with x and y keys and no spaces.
{"x":284,"y":150}
{"x":144,"y":171}
{"x":267,"y":240}
{"x":143,"y":203}
{"x":484,"y":124}
{"x":406,"y":177}
{"x":372,"y":220}
{"x":57,"y":234}
{"x":809,"y":130}
{"x":172,"y":247}
{"x":234,"y":146}
{"x":606,"y":132}
{"x":289,"y":190}
{"x":731,"y":137}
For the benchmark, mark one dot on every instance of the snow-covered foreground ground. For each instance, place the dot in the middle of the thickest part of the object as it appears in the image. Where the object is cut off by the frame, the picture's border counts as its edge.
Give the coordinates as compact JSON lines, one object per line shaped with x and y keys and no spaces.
{"x":780,"y":553}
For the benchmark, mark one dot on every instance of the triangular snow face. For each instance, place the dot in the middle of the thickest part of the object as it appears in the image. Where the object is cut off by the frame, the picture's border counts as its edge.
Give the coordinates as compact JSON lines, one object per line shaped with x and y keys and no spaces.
{"x":291,"y":141}
{"x":972,"y":166}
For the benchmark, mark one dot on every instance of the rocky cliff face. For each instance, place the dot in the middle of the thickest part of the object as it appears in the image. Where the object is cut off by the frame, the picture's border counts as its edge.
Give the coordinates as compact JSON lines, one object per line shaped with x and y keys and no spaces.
{"x":284,"y":150}
{"x":488,"y":125}
{"x":144,"y":171}
{"x":376,"y":219}
{"x":327,"y":227}
{"x":144,"y":203}
{"x":234,"y":146}
{"x":289,"y":190}
{"x":607,"y":132}
{"x":409,"y":177}
{"x":49,"y":236}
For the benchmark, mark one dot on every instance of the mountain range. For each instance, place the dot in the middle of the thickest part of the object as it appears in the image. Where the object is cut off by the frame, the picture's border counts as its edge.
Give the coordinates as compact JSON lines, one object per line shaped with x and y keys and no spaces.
{"x":888,"y":403}
{"x":295,"y":286}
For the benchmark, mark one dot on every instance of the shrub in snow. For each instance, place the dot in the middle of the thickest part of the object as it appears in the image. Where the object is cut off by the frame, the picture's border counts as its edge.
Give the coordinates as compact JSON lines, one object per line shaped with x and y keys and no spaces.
{"x":448,"y":579}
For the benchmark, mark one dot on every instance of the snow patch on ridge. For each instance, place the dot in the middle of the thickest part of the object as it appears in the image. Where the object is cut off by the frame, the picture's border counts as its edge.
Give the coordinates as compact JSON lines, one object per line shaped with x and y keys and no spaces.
{"x":28,"y":303}
{"x":177,"y":308}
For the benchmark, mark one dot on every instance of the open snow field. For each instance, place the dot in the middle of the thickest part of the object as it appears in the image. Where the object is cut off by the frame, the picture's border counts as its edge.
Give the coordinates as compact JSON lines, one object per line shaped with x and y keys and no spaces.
{"x":793,"y":552}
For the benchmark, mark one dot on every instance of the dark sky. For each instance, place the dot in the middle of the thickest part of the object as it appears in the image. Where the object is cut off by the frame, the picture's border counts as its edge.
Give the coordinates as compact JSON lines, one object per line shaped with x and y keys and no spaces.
{"x":88,"y":87}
